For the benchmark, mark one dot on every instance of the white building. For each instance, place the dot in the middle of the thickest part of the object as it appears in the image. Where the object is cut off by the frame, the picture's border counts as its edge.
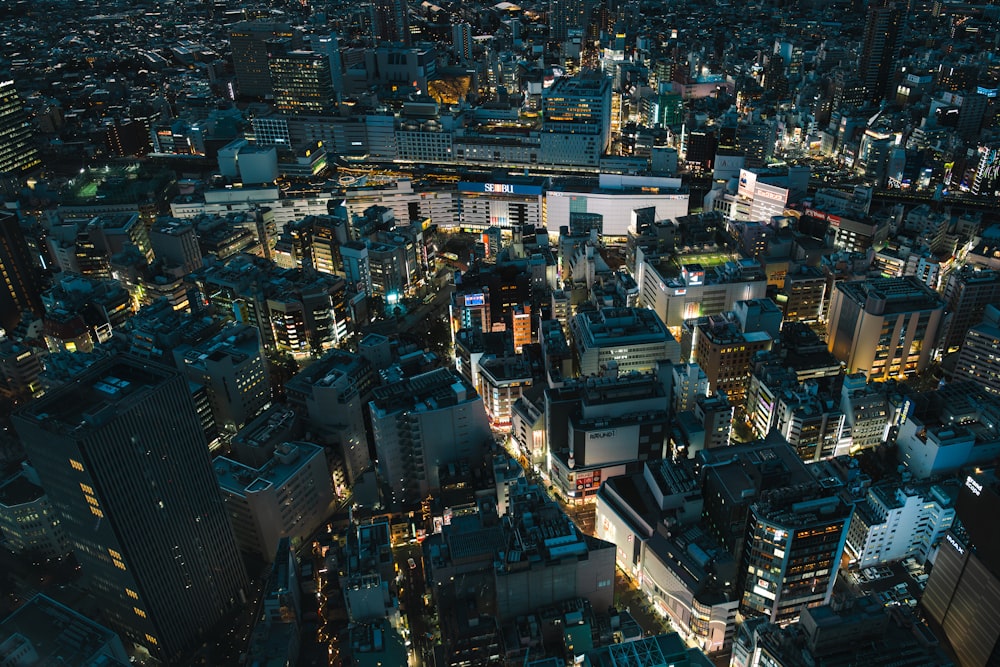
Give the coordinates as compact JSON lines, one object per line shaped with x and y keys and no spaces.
{"x":629,"y":339}
{"x":288,"y":496}
{"x":896,"y":522}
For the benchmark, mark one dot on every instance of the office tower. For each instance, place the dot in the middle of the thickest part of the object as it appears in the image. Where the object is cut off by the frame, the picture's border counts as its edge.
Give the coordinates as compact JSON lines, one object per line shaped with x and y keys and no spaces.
{"x":29,"y":524}
{"x":301,"y":80}
{"x":329,"y":45}
{"x":689,"y":382}
{"x":21,"y":289}
{"x":422,"y":423}
{"x":248,"y":42}
{"x":968,"y":291}
{"x":568,"y":15}
{"x":879,"y":47}
{"x":632,"y":339}
{"x":122,"y":455}
{"x":461,"y":41}
{"x":18,"y":154}
{"x":794,"y":541}
{"x":803,"y":294}
{"x":964,"y":587}
{"x":392,"y":22}
{"x":357,"y":268}
{"x":884,"y":327}
{"x":979,"y":358}
{"x":725,"y":352}
{"x":579,"y":104}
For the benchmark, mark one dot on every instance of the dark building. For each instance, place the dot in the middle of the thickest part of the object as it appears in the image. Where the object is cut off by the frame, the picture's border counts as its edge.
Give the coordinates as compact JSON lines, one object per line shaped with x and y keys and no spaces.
{"x":879,"y":47}
{"x":18,"y":154}
{"x":392,"y":22}
{"x":248,"y":41}
{"x":301,"y":80}
{"x":20,"y":290}
{"x":122,"y":455}
{"x":963,"y":591}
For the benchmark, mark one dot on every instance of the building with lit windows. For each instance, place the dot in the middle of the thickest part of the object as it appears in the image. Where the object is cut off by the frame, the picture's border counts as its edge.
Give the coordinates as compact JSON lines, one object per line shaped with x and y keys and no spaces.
{"x":967,"y":293}
{"x":629,"y":339}
{"x":28,"y":523}
{"x":884,"y":327}
{"x":576,"y":125}
{"x":505,"y":205}
{"x":896,"y":521}
{"x":502,"y":381}
{"x":124,"y":459}
{"x":232,"y":368}
{"x":726,"y":353}
{"x":18,"y":154}
{"x":979,"y":358}
{"x":301,"y":80}
{"x":248,"y":41}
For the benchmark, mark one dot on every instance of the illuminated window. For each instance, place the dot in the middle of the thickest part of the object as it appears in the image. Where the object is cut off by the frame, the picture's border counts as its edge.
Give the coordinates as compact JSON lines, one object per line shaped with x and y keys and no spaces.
{"x":120,"y":565}
{"x":76,"y":465}
{"x":115,"y":554}
{"x":91,"y":500}
{"x":139,"y":612}
{"x":86,"y":488}
{"x":96,"y":512}
{"x":151,"y":639}
{"x":132,"y":594}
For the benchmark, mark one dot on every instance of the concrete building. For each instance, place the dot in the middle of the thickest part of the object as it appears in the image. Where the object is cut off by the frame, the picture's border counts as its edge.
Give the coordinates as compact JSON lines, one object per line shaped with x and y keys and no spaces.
{"x":28,"y":523}
{"x":897,"y":521}
{"x":966,"y":575}
{"x":161,"y":578}
{"x":548,"y":560}
{"x":231,"y":367}
{"x":332,"y":394}
{"x":502,"y":382}
{"x":866,"y":412}
{"x":979,"y":358}
{"x":689,"y":382}
{"x":248,"y":41}
{"x":288,"y":496}
{"x":967,"y":292}
{"x":884,"y":327}
{"x":697,"y":291}
{"x":803,"y":296}
{"x":422,"y":423}
{"x":631,"y":339}
{"x":45,"y":632}
{"x":614,"y":198}
{"x":175,"y":242}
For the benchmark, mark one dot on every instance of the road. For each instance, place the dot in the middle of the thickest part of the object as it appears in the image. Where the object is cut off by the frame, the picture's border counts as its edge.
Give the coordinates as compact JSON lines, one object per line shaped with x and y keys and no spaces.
{"x":412,"y":586}
{"x":409,"y":321}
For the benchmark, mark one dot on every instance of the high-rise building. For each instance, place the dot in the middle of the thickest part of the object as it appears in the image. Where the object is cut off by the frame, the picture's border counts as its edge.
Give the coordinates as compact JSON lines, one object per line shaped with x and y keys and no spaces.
{"x":461,"y":41}
{"x":579,"y":105}
{"x":795,"y":538}
{"x":979,"y":358}
{"x":965,"y":580}
{"x":392,"y":22}
{"x":18,"y":154}
{"x":631,"y":339}
{"x":884,"y":327}
{"x":423,"y":423}
{"x":20,"y":290}
{"x":175,"y":243}
{"x":301,"y":80}
{"x":248,"y":42}
{"x":879,"y":47}
{"x":968,"y":291}
{"x":123,"y":457}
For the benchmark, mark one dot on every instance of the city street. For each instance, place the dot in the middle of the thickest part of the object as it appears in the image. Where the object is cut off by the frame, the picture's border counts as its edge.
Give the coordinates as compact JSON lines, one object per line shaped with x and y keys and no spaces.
{"x":412,"y":586}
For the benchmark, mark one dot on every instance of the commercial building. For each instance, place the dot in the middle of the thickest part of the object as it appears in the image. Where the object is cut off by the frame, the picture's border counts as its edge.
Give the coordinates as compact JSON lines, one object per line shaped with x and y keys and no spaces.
{"x":897,"y":521}
{"x":332,"y":394}
{"x":248,"y":41}
{"x":628,"y":339}
{"x":965,"y":580}
{"x":795,"y":538}
{"x":803,"y":296}
{"x":884,"y":327}
{"x":28,"y":523}
{"x":301,"y":80}
{"x":866,"y":412}
{"x":697,"y":291}
{"x":288,"y":496}
{"x":967,"y":292}
{"x":422,"y":423}
{"x":18,"y":154}
{"x":726,"y":354}
{"x":514,"y":203}
{"x":147,"y":522}
{"x":21,"y":289}
{"x":576,"y":111}
{"x":979,"y":358}
{"x":45,"y":632}
{"x":232,"y":368}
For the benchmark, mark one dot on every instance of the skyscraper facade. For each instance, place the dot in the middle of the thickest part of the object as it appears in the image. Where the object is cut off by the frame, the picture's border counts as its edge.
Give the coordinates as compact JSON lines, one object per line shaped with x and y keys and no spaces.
{"x":20,"y":290}
{"x":248,"y":42}
{"x":392,"y":22}
{"x":301,"y":80}
{"x":17,"y":153}
{"x":122,"y":454}
{"x":879,"y":47}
